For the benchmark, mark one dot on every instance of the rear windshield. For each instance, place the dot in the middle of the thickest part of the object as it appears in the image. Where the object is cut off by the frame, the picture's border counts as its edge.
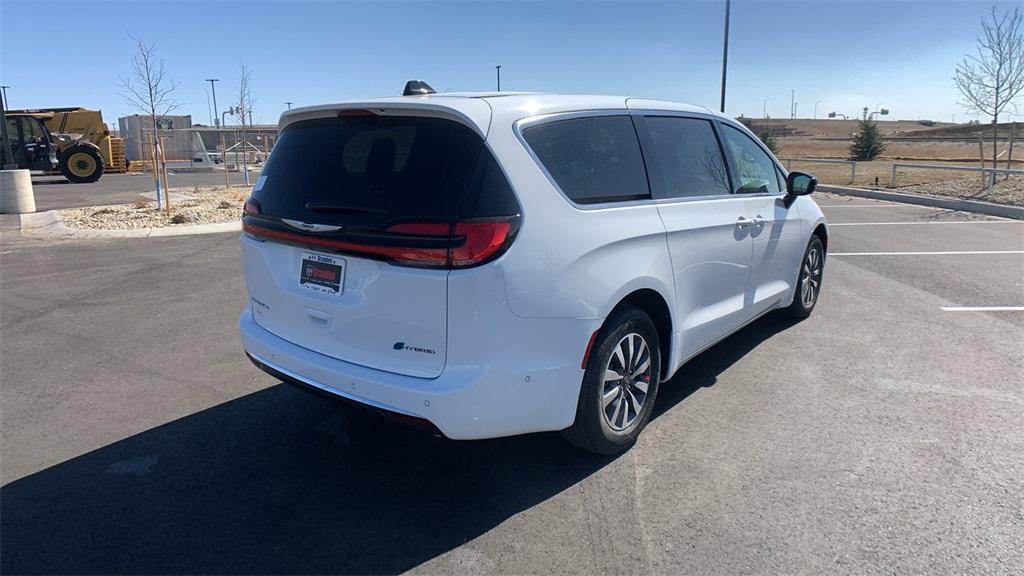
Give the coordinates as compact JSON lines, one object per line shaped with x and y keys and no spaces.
{"x":368,"y":171}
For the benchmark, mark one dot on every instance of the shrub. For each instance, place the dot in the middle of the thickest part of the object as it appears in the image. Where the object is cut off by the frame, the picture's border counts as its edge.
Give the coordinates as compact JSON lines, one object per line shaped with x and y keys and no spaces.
{"x":868,"y":143}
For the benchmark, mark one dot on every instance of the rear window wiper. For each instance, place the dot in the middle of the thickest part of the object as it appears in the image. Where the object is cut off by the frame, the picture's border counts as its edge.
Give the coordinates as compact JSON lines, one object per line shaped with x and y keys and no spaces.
{"x":328,"y":208}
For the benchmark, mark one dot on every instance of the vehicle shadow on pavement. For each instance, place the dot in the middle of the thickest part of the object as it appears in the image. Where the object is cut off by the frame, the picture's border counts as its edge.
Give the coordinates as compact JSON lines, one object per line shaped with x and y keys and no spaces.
{"x":702,"y":371}
{"x":283,"y":482}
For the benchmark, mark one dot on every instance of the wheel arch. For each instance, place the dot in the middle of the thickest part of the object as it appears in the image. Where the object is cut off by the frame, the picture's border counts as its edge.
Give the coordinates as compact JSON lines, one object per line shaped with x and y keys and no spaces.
{"x":656,"y":306}
{"x":821,"y":231}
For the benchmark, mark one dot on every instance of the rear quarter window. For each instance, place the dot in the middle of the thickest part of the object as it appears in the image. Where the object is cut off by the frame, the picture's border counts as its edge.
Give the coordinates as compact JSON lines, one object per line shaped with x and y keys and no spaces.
{"x":593,"y":159}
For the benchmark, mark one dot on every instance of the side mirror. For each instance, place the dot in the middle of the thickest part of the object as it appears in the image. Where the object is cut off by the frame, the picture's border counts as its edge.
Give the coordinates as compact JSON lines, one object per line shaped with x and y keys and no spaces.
{"x":799,"y":184}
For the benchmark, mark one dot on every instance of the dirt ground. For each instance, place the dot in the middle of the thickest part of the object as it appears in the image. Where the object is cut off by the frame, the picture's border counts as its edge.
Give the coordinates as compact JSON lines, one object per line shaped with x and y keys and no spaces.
{"x":207,"y":205}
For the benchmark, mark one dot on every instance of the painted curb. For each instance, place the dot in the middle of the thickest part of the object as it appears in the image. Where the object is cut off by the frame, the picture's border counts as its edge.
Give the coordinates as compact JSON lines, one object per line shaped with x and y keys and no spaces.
{"x":50,"y":225}
{"x":989,"y":208}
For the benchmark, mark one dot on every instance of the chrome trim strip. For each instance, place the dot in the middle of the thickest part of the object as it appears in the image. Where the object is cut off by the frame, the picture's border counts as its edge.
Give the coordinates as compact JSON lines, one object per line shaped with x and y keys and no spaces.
{"x":331,"y":390}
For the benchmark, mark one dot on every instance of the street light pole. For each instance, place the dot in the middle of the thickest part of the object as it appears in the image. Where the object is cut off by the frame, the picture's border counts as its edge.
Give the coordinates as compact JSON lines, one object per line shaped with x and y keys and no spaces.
{"x":792,"y":103}
{"x":816,"y":109}
{"x":764,"y":108}
{"x":725,"y":54}
{"x":216,"y":113}
{"x":498,"y":70}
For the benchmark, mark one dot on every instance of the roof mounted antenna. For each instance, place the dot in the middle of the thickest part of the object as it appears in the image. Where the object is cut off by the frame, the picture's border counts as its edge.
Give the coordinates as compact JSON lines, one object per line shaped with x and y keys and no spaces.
{"x":417,"y":88}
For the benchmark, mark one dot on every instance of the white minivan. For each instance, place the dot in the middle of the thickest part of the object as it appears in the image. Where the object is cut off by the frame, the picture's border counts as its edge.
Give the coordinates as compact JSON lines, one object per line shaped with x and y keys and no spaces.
{"x":499,"y":263}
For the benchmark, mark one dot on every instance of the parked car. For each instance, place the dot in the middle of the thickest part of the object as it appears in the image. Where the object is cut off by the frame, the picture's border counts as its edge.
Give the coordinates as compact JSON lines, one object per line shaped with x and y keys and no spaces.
{"x":499,"y":264}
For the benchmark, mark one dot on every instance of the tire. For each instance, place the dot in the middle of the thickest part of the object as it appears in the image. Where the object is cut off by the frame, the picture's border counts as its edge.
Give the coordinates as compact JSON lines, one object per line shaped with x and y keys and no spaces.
{"x":81,"y":164}
{"x":602,"y":427}
{"x":808,"y":284}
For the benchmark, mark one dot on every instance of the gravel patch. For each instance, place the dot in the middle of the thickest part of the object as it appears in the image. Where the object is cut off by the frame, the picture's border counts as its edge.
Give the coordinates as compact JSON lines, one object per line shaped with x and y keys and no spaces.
{"x":208,"y":206}
{"x":1008,"y":191}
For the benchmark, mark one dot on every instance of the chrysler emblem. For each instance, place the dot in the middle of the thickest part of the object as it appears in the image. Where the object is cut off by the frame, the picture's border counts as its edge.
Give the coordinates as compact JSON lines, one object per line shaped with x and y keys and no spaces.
{"x":307,"y":227}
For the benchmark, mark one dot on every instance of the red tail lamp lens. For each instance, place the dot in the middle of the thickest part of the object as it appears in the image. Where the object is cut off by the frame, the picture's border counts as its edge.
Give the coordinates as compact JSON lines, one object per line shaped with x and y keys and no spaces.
{"x":251,"y":207}
{"x":483,"y":239}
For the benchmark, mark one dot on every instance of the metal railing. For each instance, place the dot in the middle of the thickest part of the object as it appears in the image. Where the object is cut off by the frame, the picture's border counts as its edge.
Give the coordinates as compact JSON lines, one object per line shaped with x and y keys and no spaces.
{"x":991,"y":171}
{"x":852,"y":163}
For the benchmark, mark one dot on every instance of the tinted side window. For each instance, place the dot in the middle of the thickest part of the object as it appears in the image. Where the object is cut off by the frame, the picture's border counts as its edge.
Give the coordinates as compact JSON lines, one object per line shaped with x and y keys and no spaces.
{"x":756,"y":171}
{"x":33,"y":131}
{"x":685,"y":158}
{"x":13,"y":131}
{"x":592,"y":159}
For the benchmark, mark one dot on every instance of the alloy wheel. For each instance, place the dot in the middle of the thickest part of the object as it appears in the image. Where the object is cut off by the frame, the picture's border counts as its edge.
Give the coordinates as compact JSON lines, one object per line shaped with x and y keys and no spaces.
{"x":810,"y":277}
{"x":627,"y":378}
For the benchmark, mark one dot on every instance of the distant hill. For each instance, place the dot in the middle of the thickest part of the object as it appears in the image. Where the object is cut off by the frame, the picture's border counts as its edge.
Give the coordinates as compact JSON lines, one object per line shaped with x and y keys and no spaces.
{"x":833,"y":128}
{"x":968,"y":131}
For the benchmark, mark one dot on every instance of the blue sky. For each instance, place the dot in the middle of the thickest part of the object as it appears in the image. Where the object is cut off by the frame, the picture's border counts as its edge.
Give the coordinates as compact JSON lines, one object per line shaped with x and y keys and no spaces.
{"x":845,"y":55}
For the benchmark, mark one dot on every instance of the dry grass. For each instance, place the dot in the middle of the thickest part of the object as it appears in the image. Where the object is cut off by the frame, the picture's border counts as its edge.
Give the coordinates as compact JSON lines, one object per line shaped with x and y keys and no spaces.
{"x":902,"y":149}
{"x":878,"y":173}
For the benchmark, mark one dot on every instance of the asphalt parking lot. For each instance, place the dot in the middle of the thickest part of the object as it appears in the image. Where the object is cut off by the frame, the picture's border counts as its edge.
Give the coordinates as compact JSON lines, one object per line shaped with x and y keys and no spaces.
{"x":885,"y":434}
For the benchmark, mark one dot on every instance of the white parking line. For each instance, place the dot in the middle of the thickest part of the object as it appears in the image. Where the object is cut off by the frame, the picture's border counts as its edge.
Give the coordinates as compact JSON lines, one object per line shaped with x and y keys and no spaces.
{"x":936,"y":222}
{"x":983,"y":308}
{"x":951,"y":253}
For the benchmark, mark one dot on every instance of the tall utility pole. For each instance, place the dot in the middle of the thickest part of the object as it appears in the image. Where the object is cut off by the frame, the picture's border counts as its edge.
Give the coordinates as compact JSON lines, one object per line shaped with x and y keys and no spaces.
{"x":764,"y":108}
{"x":816,"y":109}
{"x":725,"y":54}
{"x":289,"y":104}
{"x":498,"y":69}
{"x":216,"y":113}
{"x":792,"y":103}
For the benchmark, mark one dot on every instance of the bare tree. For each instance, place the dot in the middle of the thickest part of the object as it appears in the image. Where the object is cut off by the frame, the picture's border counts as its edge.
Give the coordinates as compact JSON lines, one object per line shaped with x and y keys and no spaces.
{"x":992,"y":79}
{"x":149,"y":91}
{"x":246,"y":102}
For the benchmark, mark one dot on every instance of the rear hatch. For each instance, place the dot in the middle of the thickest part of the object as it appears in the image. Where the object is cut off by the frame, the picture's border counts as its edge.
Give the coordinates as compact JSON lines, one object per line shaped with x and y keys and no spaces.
{"x":354,"y":224}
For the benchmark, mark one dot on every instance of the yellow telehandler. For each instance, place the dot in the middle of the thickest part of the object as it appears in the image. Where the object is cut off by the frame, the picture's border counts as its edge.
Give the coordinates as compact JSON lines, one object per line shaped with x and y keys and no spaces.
{"x":85,"y":148}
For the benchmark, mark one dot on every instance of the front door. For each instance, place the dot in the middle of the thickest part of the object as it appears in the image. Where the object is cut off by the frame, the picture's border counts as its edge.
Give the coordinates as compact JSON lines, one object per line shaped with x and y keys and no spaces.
{"x":776,"y":235}
{"x":708,"y":231}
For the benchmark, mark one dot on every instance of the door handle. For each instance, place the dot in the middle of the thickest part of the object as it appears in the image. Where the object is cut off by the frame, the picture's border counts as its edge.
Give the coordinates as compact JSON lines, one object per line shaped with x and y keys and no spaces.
{"x":743,"y":222}
{"x":758,"y":220}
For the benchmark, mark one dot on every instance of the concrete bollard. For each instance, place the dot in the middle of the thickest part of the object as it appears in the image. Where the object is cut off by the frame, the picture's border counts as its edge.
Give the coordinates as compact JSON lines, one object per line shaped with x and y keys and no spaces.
{"x":16,"y":195}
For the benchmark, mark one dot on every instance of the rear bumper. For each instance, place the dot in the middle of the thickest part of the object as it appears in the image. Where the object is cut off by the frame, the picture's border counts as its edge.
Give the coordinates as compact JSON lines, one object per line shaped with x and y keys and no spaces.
{"x":493,"y":398}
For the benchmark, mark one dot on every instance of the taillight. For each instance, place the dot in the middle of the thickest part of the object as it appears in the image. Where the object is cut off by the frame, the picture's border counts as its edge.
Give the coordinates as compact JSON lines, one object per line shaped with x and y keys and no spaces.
{"x":409,"y":255}
{"x":483,"y":240}
{"x":473,"y":242}
{"x":251,"y":207}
